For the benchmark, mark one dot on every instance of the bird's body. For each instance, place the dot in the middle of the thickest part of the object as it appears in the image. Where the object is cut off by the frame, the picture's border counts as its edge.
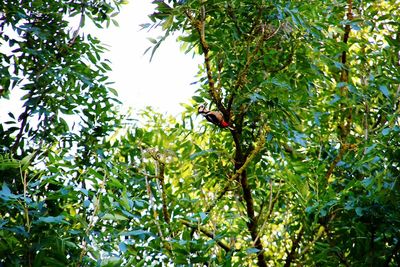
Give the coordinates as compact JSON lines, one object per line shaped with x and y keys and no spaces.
{"x":214,"y":117}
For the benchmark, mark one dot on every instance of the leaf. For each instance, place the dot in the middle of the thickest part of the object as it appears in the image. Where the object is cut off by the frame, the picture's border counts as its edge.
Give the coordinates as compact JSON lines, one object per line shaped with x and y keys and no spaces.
{"x":203,"y":216}
{"x":25,"y":162}
{"x":335,"y":99}
{"x":95,"y":174}
{"x":122,"y":246}
{"x":114,"y":217}
{"x":255,"y":97}
{"x":125,"y":202}
{"x":369,"y":149}
{"x":198,"y":99}
{"x":202,"y":153}
{"x":51,"y":219}
{"x":6,"y":194}
{"x":113,"y":91}
{"x":168,"y":22}
{"x":106,"y":66}
{"x":299,"y":138}
{"x":152,"y":40}
{"x":359,"y":211}
{"x":145,"y":25}
{"x":384,"y":90}
{"x":136,"y":233}
{"x":19,"y":230}
{"x":7,"y":162}
{"x":115,"y":182}
{"x":92,"y":58}
{"x":367,"y":182}
{"x":252,"y":250}
{"x":115,"y":22}
{"x":386,"y":131}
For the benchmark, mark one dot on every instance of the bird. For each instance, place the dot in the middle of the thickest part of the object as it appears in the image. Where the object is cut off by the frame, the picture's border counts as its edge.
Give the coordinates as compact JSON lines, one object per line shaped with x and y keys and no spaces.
{"x":214,"y":117}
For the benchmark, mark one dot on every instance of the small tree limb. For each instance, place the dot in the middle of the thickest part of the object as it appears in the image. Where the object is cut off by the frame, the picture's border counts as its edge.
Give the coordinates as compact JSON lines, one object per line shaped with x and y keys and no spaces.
{"x":207,"y":233}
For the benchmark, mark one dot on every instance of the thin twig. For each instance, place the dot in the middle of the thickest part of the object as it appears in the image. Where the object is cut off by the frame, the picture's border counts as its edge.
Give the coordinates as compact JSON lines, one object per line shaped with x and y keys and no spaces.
{"x":271,"y":205}
{"x":292,"y":254}
{"x":92,"y":221}
{"x":209,"y":234}
{"x":153,"y":206}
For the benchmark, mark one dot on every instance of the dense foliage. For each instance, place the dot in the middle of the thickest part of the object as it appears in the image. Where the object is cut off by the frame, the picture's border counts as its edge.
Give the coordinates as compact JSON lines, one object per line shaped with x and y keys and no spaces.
{"x":51,"y":151}
{"x":307,"y":174}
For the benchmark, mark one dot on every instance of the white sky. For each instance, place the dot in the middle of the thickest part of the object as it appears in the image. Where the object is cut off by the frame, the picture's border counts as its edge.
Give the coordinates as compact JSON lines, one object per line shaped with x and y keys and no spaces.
{"x":164,"y":82}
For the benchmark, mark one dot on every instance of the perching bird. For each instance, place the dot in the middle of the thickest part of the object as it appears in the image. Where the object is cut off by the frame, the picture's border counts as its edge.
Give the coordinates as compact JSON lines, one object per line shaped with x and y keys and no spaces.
{"x":214,"y":117}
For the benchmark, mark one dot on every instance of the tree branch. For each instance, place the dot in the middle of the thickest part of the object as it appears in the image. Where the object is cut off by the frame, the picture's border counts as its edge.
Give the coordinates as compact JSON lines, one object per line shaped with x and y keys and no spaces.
{"x":249,"y":159}
{"x":211,"y":235}
{"x":343,"y":149}
{"x":344,"y":76}
{"x":24,"y":119}
{"x":166,"y":215}
{"x":321,"y":231}
{"x":292,"y":254}
{"x":344,"y":127}
{"x":338,"y":252}
{"x":271,"y":205}
{"x":213,"y":89}
{"x":160,"y":164}
{"x":243,"y":72}
{"x":241,"y":165}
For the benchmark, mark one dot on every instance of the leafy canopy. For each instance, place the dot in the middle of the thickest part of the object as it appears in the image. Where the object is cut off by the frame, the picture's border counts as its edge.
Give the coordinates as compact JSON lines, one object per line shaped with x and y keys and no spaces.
{"x":307,"y":175}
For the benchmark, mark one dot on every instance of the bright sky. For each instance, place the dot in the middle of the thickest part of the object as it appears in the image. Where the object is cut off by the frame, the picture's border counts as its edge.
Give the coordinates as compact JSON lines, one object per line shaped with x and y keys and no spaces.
{"x":164,"y":82}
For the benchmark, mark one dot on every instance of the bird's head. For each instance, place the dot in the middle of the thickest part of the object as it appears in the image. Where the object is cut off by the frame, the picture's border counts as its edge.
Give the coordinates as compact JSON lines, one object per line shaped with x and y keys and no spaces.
{"x":201,"y":109}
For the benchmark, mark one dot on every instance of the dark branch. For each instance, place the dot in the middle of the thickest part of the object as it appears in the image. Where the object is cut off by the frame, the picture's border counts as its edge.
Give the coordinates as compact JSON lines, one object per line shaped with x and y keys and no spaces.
{"x":292,"y":254}
{"x":209,"y":234}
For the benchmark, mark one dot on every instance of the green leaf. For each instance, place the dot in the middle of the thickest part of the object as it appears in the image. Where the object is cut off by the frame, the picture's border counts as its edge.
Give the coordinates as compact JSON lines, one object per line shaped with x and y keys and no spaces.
{"x":6,"y":194}
{"x":202,"y":153}
{"x":168,"y":22}
{"x":25,"y":162}
{"x":96,"y":174}
{"x":7,"y":162}
{"x":113,"y":91}
{"x":136,"y":233}
{"x":384,"y":90}
{"x":370,"y":148}
{"x":359,"y":211}
{"x":115,"y":22}
{"x":152,"y":40}
{"x":51,"y":219}
{"x":252,"y":250}
{"x":386,"y":131}
{"x":114,"y":217}
{"x":198,"y":99}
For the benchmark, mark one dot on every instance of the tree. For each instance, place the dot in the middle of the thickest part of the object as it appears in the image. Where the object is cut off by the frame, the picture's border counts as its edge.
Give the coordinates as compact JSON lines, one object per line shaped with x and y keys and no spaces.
{"x":306,"y":175}
{"x":311,"y":90}
{"x":52,"y":151}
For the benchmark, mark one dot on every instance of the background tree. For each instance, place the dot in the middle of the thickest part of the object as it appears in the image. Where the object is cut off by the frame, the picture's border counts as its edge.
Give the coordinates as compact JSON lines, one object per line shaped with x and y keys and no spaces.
{"x":52,"y":161}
